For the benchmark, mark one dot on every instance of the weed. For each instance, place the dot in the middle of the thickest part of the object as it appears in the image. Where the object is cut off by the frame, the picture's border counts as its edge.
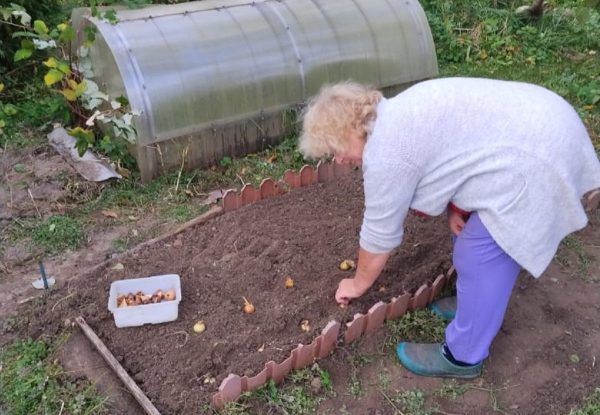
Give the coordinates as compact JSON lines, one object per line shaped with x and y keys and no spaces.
{"x":591,"y":405}
{"x":355,"y":386}
{"x":411,"y":402}
{"x":183,"y":212}
{"x":572,"y":245}
{"x":356,"y":361}
{"x":119,"y":245}
{"x":451,"y":390}
{"x":420,"y":326}
{"x":10,"y":324}
{"x":384,"y":379}
{"x":32,"y":383}
{"x":297,"y":395}
{"x":58,"y":233}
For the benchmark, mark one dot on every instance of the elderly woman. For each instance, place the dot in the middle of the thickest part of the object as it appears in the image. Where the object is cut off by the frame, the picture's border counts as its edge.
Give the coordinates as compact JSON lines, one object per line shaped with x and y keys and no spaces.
{"x":507,"y":161}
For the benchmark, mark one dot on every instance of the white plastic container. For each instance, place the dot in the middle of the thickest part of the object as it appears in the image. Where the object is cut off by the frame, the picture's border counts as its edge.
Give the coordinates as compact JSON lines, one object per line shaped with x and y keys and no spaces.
{"x":139,"y":315}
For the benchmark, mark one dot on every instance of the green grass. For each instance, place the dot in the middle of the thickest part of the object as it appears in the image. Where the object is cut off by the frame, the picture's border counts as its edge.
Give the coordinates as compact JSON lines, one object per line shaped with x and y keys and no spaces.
{"x":591,"y":405}
{"x":298,"y":395}
{"x":451,"y":390}
{"x":421,"y":326}
{"x":411,"y":402}
{"x":419,"y":402}
{"x":57,"y":234}
{"x":560,"y":51}
{"x":33,"y":383}
{"x":572,"y":248}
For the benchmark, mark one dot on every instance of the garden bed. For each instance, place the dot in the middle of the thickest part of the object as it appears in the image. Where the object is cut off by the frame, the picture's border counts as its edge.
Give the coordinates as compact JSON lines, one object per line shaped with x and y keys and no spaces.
{"x":249,"y":252}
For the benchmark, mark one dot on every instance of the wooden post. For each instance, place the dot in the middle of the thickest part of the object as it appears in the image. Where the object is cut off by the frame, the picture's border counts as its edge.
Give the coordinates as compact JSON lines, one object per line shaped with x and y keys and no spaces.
{"x":116,"y":366}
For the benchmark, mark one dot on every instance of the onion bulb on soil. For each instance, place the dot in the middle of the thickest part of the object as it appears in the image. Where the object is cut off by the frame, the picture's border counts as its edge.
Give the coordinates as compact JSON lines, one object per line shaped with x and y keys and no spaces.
{"x":248,"y":306}
{"x":347,"y":265}
{"x":289,"y":282}
{"x":304,"y":325}
{"x":199,"y":327}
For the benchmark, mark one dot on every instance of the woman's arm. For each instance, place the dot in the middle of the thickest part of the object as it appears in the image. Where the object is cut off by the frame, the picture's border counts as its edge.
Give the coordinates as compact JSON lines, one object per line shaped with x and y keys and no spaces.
{"x":368,"y":269}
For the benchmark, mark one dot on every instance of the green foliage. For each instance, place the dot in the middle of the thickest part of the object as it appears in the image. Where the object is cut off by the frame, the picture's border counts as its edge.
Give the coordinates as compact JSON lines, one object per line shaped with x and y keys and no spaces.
{"x":591,"y":405}
{"x":32,"y":384}
{"x":130,"y":194}
{"x":411,"y":402}
{"x":47,"y":48}
{"x":182,"y":212}
{"x":47,"y":9}
{"x":421,"y":326}
{"x":561,"y":50}
{"x":573,"y":256}
{"x":296,"y":396}
{"x":475,"y":31}
{"x":451,"y":390}
{"x":356,"y":361}
{"x":57,"y":234}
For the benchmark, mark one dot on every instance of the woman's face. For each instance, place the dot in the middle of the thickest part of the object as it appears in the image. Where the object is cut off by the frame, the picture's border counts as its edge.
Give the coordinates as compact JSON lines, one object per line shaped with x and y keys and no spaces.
{"x":354,"y":153}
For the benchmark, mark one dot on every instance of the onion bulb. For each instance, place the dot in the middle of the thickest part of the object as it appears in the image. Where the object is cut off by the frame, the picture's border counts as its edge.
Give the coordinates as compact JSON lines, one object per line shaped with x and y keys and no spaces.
{"x":347,"y":265}
{"x":289,"y":282}
{"x":169,"y":295}
{"x":248,"y":306}
{"x":199,"y":327}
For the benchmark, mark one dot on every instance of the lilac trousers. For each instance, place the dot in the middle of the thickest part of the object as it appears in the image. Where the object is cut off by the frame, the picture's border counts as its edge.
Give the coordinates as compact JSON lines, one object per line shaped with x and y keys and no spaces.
{"x":486,"y":276}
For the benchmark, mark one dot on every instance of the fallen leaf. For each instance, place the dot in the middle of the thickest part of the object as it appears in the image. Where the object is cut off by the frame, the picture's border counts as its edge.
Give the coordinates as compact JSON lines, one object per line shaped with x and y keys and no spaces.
{"x":110,"y":214}
{"x":272,"y":158}
{"x":118,"y":267}
{"x":132,"y":217}
{"x":261,"y":349}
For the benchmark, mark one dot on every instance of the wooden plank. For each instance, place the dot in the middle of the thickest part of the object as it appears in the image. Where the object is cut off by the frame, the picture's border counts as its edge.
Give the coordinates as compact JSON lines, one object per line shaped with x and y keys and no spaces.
{"x":116,"y":366}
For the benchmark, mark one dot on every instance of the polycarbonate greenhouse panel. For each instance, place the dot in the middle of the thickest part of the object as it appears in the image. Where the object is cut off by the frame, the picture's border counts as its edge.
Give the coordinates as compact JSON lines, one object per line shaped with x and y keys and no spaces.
{"x":193,"y":69}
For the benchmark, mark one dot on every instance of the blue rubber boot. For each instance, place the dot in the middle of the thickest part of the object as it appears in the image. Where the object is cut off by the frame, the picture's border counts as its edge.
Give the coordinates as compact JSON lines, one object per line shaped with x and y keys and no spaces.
{"x":444,"y":307}
{"x":429,"y":360}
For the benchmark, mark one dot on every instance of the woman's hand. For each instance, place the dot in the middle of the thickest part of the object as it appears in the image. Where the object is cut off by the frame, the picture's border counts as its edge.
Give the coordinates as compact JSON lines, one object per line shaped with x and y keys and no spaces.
{"x":455,"y":221}
{"x":348,"y":290}
{"x":367,"y":270}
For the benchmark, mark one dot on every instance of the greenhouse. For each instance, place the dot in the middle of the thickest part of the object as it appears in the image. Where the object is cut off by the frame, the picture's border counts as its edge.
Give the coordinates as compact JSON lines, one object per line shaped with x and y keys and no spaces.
{"x":219,"y":78}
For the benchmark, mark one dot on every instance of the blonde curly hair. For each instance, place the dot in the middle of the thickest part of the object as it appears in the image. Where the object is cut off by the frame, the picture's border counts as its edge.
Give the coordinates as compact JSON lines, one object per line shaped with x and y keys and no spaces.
{"x":334,"y":112}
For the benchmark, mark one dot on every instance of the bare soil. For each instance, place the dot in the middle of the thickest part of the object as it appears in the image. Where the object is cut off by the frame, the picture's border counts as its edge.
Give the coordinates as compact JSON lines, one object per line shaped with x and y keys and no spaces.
{"x":305,"y":235}
{"x":249,"y":253}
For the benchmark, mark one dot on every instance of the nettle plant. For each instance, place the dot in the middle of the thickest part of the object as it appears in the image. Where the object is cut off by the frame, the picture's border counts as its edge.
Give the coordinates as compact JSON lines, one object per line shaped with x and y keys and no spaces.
{"x":69,"y":72}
